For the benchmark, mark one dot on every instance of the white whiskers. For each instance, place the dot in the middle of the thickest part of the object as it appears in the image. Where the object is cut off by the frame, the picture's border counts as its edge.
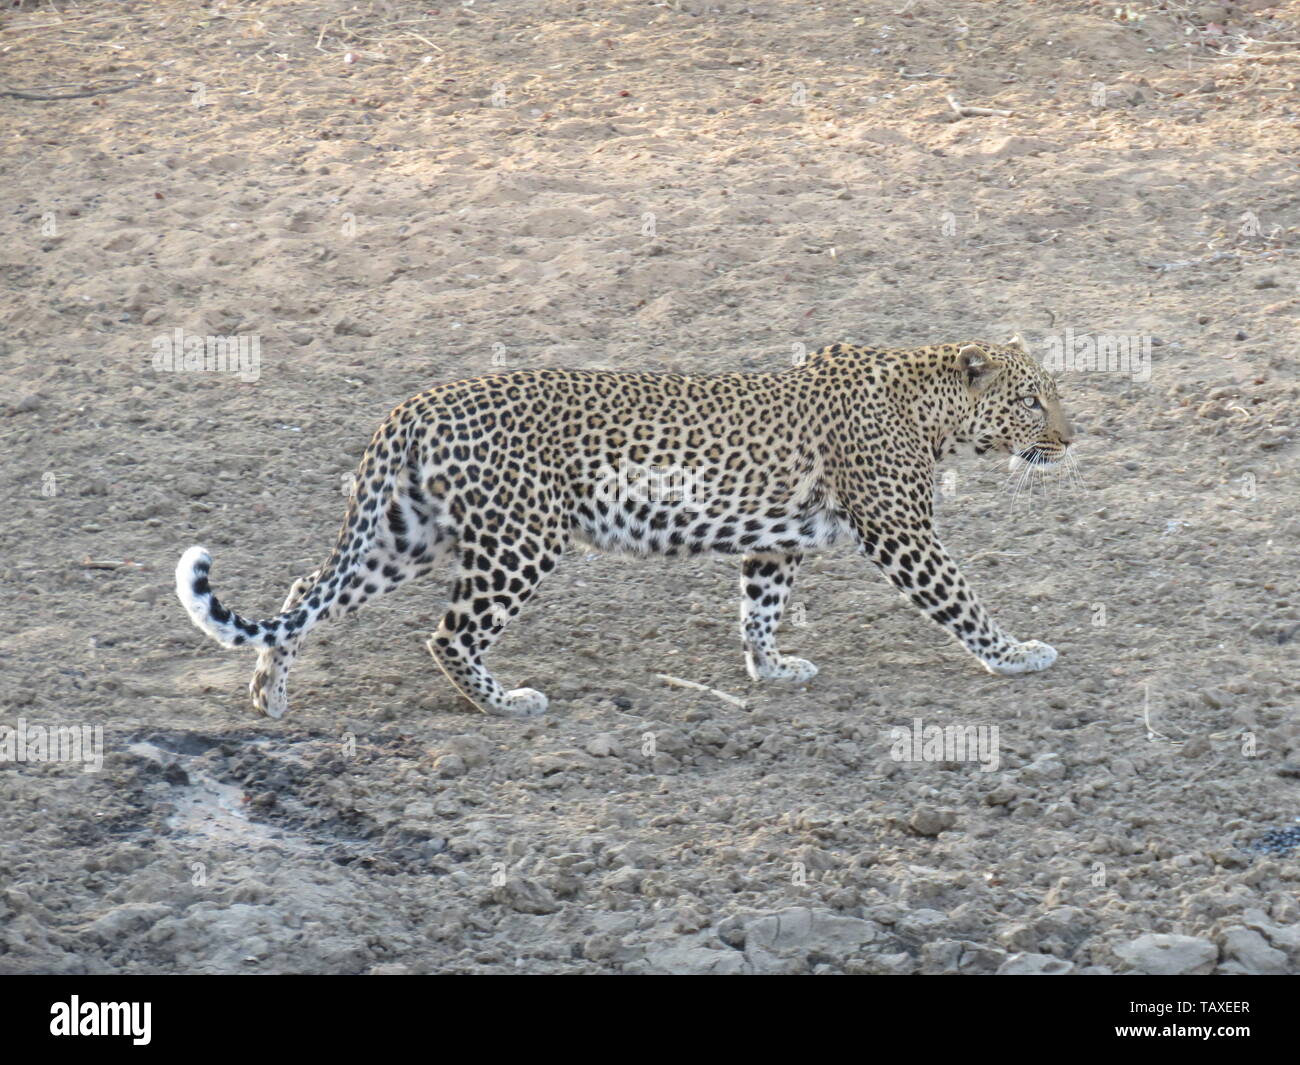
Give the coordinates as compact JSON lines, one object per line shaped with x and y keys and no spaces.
{"x":1026,"y":480}
{"x":1052,"y":479}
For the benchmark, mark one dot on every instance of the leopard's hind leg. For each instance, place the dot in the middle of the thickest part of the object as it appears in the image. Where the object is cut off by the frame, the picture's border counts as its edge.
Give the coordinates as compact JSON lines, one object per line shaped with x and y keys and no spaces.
{"x":408,"y":543}
{"x":492,"y":587}
{"x":270,"y":684}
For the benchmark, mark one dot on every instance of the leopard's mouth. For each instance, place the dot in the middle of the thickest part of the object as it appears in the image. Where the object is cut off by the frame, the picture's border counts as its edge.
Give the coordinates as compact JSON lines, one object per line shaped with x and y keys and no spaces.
{"x":1038,"y":455}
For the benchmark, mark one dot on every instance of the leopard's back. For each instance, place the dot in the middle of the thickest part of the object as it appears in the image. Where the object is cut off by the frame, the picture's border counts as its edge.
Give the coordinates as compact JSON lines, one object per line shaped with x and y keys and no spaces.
{"x":638,"y":462}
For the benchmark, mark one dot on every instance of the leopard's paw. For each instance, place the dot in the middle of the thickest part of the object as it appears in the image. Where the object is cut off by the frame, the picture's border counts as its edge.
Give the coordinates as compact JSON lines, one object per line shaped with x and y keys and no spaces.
{"x":1029,"y":657}
{"x":787,"y":667}
{"x":524,"y":702}
{"x":269,"y":698}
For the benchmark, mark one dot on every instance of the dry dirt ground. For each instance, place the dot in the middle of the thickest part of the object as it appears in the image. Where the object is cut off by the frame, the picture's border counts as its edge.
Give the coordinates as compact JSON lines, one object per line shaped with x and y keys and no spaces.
{"x":389,"y":195}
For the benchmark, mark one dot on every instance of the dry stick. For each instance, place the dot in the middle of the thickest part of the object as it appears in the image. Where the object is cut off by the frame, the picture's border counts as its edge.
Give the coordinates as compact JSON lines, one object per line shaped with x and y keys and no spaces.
{"x":325,"y":27}
{"x":69,"y":22}
{"x":389,"y":40}
{"x":995,"y":554}
{"x":1002,"y":243}
{"x":67,"y":26}
{"x":412,"y":33}
{"x":405,"y":22}
{"x":69,"y":95}
{"x":965,"y":111}
{"x":678,"y":682}
{"x":54,"y":85}
{"x":1265,"y":56}
{"x":1179,"y":264}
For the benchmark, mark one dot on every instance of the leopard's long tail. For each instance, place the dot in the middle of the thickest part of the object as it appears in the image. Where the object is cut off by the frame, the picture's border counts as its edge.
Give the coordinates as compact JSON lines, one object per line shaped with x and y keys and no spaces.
{"x":311,"y":601}
{"x":206,"y":611}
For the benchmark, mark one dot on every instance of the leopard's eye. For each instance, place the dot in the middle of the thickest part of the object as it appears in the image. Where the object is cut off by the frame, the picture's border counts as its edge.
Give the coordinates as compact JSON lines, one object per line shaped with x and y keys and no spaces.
{"x":1031,"y":402}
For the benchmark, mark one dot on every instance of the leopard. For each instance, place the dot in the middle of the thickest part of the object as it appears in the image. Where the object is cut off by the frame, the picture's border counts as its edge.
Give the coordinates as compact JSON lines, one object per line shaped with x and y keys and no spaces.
{"x":488,"y":480}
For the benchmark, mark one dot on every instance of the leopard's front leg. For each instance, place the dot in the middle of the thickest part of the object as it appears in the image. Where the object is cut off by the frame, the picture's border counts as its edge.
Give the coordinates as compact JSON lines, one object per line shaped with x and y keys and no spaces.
{"x":765,"y":582}
{"x":919,"y":567}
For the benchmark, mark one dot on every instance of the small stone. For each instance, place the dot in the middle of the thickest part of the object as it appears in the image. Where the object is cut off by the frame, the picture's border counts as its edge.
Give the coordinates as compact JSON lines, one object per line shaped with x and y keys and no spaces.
{"x":1019,"y":938}
{"x":1034,"y":965}
{"x":603,"y":745}
{"x":525,"y":896}
{"x":349,"y":326}
{"x":1169,"y":955}
{"x":1227,"y":857}
{"x":709,"y":735}
{"x":450,"y":766}
{"x":901,"y":964}
{"x":561,"y":761}
{"x":1046,"y":767}
{"x":671,"y":741}
{"x":686,"y":960}
{"x":928,"y":821}
{"x":1246,"y":952}
{"x":607,"y":948}
{"x":664,"y":763}
{"x":815,"y":858}
{"x":473,"y":750}
{"x":800,"y":928}
{"x":940,"y":956}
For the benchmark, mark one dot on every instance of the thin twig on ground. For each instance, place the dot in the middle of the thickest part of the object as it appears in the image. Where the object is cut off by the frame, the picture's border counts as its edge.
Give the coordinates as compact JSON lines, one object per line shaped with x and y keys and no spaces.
{"x":22,"y":94}
{"x":966,"y":111}
{"x":678,"y":682}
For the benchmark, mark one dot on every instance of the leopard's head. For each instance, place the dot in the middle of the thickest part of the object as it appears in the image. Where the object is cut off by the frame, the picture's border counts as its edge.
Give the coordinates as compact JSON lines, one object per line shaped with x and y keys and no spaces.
{"x":1017,"y":409}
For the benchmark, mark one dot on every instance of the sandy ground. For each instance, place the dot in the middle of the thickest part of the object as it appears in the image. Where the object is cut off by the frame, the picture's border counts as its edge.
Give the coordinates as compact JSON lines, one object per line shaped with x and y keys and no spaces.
{"x":389,"y":195}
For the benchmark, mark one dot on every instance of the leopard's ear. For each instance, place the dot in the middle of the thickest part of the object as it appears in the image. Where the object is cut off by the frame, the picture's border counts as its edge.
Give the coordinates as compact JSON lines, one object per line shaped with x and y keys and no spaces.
{"x":977,"y":367}
{"x":1018,"y":343}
